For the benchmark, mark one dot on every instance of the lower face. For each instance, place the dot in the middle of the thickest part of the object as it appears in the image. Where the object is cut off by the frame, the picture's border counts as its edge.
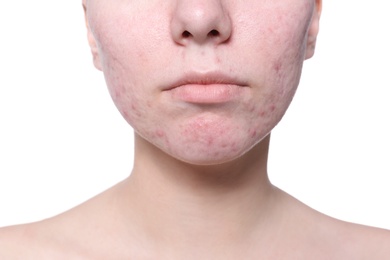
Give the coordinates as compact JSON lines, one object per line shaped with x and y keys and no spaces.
{"x":141,"y":60}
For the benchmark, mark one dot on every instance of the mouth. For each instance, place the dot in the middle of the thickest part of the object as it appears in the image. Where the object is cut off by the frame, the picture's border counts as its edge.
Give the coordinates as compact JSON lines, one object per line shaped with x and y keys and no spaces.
{"x":206,"y":88}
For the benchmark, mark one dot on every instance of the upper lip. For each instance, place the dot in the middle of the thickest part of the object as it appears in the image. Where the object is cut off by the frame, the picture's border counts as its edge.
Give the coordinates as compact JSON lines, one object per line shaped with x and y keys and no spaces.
{"x":197,"y":78}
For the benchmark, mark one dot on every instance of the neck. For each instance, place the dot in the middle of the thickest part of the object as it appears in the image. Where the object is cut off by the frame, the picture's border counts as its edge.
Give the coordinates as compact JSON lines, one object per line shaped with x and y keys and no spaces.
{"x":182,"y":201}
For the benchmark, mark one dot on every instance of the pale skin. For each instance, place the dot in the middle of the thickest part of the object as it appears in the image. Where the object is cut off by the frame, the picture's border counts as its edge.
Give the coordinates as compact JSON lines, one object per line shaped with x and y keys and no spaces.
{"x":202,"y":82}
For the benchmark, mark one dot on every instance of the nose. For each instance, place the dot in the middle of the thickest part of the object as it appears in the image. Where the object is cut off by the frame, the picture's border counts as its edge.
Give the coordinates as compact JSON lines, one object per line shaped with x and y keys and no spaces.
{"x":201,"y":22}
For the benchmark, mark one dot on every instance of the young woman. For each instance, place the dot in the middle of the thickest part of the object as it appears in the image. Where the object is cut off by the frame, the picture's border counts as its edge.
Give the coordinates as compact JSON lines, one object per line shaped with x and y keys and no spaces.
{"x":203,"y":83}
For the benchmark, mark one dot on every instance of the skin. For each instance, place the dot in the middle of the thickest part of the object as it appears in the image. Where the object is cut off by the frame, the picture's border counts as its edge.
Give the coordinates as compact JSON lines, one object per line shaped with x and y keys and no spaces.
{"x":137,"y":73}
{"x":199,"y":188}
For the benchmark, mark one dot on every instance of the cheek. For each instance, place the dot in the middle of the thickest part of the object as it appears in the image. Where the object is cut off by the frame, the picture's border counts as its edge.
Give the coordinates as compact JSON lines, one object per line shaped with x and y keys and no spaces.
{"x":286,"y":56}
{"x":125,"y":65}
{"x":279,"y":34}
{"x":128,"y":44}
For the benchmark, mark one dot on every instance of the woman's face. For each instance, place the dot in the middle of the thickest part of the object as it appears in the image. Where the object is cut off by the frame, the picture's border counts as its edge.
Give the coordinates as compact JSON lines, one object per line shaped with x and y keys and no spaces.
{"x":203,"y":80}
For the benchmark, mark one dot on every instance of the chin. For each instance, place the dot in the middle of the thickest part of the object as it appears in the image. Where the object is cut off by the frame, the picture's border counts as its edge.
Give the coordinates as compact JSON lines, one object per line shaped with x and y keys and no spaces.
{"x":207,"y":155}
{"x":205,"y":160}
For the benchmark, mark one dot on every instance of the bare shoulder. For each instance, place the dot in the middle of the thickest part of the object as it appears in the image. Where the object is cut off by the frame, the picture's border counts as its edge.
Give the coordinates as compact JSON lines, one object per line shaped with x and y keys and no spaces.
{"x":10,"y":241}
{"x":79,"y":233}
{"x":324,"y":237}
{"x":351,"y":241}
{"x":20,"y":242}
{"x":367,"y":242}
{"x":39,"y":240}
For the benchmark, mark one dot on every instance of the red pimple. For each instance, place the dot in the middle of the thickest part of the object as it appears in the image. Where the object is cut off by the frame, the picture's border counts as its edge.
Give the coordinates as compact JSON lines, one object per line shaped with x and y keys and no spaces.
{"x":125,"y":114}
{"x":224,"y":145}
{"x":135,"y":110}
{"x":160,"y":133}
{"x":262,"y":113}
{"x":277,"y":66}
{"x":233,"y":147}
{"x":254,"y":133}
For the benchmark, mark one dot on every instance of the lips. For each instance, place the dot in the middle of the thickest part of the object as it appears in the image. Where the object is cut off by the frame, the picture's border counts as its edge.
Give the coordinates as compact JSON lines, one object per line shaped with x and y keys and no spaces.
{"x":206,"y":88}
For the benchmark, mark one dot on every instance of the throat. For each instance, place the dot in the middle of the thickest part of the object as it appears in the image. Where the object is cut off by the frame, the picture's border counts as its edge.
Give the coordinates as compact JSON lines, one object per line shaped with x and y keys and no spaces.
{"x":174,"y":201}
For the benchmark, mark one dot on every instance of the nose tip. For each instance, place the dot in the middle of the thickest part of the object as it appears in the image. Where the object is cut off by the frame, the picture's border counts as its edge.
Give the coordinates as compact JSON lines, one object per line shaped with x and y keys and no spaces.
{"x":200,"y":22}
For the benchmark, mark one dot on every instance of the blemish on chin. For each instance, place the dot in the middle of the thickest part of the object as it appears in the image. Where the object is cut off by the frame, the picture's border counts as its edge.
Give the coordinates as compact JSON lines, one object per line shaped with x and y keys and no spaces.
{"x":224,"y":145}
{"x":160,"y":133}
{"x":252,"y":108}
{"x":233,"y":147}
{"x":254,"y":133}
{"x":262,"y":113}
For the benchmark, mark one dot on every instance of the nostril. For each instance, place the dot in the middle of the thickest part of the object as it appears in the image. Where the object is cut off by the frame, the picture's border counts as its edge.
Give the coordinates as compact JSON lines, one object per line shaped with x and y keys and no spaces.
{"x":186,"y":34}
{"x":213,"y":33}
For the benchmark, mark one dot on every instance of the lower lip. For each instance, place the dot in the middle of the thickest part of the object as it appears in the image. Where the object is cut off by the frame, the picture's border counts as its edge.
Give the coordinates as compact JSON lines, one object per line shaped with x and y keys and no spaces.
{"x":206,"y":94}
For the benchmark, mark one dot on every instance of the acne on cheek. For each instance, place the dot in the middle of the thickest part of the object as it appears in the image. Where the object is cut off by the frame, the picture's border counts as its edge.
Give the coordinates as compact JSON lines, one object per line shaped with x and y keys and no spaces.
{"x":135,"y":110}
{"x":263,"y":119}
{"x":161,"y":137}
{"x":265,"y":112}
{"x":129,"y":110}
{"x":277,"y":66}
{"x":116,"y":90}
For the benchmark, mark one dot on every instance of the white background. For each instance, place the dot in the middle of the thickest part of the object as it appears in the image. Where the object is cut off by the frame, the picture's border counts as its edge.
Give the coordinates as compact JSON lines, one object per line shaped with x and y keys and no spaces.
{"x":62,"y":140}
